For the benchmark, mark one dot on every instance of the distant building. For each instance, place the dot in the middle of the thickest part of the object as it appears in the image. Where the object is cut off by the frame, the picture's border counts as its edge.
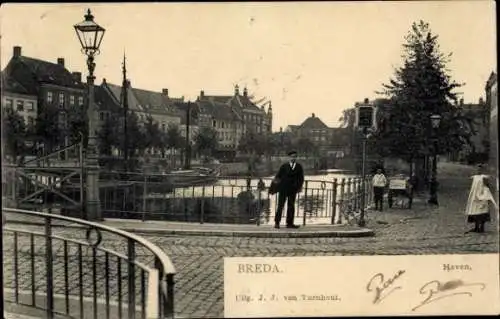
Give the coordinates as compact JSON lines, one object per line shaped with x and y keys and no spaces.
{"x":232,"y":116}
{"x":18,"y":99}
{"x":478,"y":149}
{"x":329,"y":140}
{"x":182,"y":110}
{"x":52,"y":85}
{"x":314,"y":129}
{"x":492,"y":104}
{"x":215,"y":112}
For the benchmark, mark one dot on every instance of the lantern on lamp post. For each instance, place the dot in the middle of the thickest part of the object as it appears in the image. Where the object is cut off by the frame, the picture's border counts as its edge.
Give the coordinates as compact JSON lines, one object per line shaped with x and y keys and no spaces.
{"x":365,"y":121}
{"x":90,"y":35}
{"x":435,"y":121}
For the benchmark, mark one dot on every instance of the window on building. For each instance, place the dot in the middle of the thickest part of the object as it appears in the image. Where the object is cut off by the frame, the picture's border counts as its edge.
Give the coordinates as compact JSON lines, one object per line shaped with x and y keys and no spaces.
{"x":31,"y":121}
{"x":61,"y":98}
{"x":30,"y":106}
{"x":49,"y":97}
{"x":101,"y":116}
{"x":72,"y":100}
{"x":20,"y":105}
{"x":9,"y":103}
{"x":80,"y":100}
{"x":222,"y":124}
{"x":214,"y":123}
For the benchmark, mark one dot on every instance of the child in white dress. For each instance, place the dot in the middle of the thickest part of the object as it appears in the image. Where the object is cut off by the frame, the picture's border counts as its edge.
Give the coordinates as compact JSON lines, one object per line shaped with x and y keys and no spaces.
{"x":478,"y":209}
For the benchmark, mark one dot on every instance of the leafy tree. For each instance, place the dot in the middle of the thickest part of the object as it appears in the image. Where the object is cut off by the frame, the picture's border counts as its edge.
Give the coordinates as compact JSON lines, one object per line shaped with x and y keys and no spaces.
{"x":306,"y":146}
{"x":173,"y":140}
{"x":152,"y":134}
{"x":108,"y":136}
{"x":47,"y":128}
{"x":14,"y":130}
{"x":135,"y":136}
{"x":420,"y":88}
{"x":78,"y":127}
{"x":206,"y":140}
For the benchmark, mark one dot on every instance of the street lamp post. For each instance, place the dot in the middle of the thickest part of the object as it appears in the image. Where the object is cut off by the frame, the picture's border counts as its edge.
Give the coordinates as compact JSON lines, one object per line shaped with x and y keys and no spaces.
{"x":90,"y":35}
{"x":187,"y":163}
{"x":435,"y":121}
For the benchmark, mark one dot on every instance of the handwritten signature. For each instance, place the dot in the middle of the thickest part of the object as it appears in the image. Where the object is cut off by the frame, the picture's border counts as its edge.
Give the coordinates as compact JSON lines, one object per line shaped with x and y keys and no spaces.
{"x":434,"y":290}
{"x":379,"y":285}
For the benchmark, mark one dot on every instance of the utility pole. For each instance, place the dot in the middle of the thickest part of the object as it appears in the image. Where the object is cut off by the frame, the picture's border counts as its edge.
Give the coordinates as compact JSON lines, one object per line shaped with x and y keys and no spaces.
{"x":125,"y":112}
{"x":187,"y":163}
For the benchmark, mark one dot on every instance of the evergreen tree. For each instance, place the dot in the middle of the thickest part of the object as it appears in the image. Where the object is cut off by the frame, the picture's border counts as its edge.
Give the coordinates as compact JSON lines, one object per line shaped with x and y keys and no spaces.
{"x":420,"y":88}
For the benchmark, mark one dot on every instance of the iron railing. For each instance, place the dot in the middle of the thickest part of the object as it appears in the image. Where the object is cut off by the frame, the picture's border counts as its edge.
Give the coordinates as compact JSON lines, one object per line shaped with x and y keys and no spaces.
{"x":78,"y":269}
{"x":221,"y":199}
{"x":233,"y":200}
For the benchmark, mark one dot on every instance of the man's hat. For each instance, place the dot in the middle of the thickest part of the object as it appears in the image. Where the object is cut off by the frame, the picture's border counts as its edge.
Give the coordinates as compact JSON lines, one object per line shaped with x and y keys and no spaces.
{"x":292,"y":153}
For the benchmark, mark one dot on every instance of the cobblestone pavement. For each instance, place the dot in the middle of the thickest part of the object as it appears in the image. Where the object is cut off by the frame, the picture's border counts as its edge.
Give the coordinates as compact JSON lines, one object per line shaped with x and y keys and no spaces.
{"x":422,"y":230}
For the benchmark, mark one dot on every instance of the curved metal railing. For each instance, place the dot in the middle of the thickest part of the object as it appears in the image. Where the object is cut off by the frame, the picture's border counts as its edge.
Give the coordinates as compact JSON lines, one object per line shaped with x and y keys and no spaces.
{"x":80,"y":269}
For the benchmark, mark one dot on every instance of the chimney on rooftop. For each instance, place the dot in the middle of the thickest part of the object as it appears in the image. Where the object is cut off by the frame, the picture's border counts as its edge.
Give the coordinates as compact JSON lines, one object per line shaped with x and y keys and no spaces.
{"x":481,"y":101}
{"x":245,"y":91}
{"x":17,"y":52}
{"x":202,"y":94}
{"x":313,"y":115}
{"x":77,"y":76}
{"x":60,"y":61}
{"x":165,"y":92}
{"x":461,"y":101}
{"x":366,"y":100}
{"x":236,"y":90}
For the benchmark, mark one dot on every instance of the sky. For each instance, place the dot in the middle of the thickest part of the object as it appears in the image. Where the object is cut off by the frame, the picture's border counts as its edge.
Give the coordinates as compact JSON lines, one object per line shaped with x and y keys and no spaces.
{"x":318,"y":57}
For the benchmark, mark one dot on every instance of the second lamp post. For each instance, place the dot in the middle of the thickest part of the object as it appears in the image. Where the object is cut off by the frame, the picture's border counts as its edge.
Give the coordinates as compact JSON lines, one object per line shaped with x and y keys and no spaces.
{"x":90,"y":35}
{"x":435,"y":121}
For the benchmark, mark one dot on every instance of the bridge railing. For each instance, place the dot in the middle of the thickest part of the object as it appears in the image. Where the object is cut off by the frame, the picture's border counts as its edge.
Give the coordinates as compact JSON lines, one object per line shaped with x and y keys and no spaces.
{"x":234,"y":200}
{"x":73,"y":268}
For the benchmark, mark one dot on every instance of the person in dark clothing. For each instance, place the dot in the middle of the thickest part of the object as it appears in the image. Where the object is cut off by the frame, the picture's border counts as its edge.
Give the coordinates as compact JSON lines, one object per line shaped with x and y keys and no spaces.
{"x":291,"y":178}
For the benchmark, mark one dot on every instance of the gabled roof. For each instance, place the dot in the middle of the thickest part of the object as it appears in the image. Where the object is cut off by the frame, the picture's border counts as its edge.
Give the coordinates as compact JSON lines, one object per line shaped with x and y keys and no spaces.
{"x":40,"y":72}
{"x":182,"y":107}
{"x":218,"y":110}
{"x":116,"y":91}
{"x":105,"y":100}
{"x":153,"y":101}
{"x":246,"y":103}
{"x":9,"y":84}
{"x":313,"y":122}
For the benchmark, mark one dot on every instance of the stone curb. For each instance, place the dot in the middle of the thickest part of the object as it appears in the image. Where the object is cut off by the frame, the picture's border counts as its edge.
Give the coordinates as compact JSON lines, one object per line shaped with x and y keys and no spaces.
{"x":282,"y":233}
{"x":271,"y":233}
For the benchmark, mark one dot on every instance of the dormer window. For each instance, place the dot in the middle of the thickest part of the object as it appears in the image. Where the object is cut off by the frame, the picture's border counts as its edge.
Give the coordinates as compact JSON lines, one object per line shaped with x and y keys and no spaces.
{"x":72,"y":100}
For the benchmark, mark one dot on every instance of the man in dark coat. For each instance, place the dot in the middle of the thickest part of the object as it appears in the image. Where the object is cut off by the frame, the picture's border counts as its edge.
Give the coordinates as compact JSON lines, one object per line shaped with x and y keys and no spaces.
{"x":290,"y":177}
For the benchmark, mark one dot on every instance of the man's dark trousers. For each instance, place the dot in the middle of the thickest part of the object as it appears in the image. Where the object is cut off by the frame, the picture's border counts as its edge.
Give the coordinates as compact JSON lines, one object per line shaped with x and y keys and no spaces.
{"x":289,"y":197}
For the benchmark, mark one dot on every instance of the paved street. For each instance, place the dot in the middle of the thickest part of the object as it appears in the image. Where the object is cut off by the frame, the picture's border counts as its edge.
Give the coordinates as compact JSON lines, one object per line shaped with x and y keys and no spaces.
{"x":422,"y":230}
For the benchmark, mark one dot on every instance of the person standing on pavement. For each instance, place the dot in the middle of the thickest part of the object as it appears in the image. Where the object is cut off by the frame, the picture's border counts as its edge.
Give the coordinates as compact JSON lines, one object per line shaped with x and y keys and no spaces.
{"x":379,"y":183}
{"x":291,"y":179}
{"x":478,"y":209}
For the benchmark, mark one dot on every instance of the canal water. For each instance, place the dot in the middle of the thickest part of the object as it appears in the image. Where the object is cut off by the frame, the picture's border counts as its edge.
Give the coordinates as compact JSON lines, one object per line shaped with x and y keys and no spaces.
{"x":314,"y":205}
